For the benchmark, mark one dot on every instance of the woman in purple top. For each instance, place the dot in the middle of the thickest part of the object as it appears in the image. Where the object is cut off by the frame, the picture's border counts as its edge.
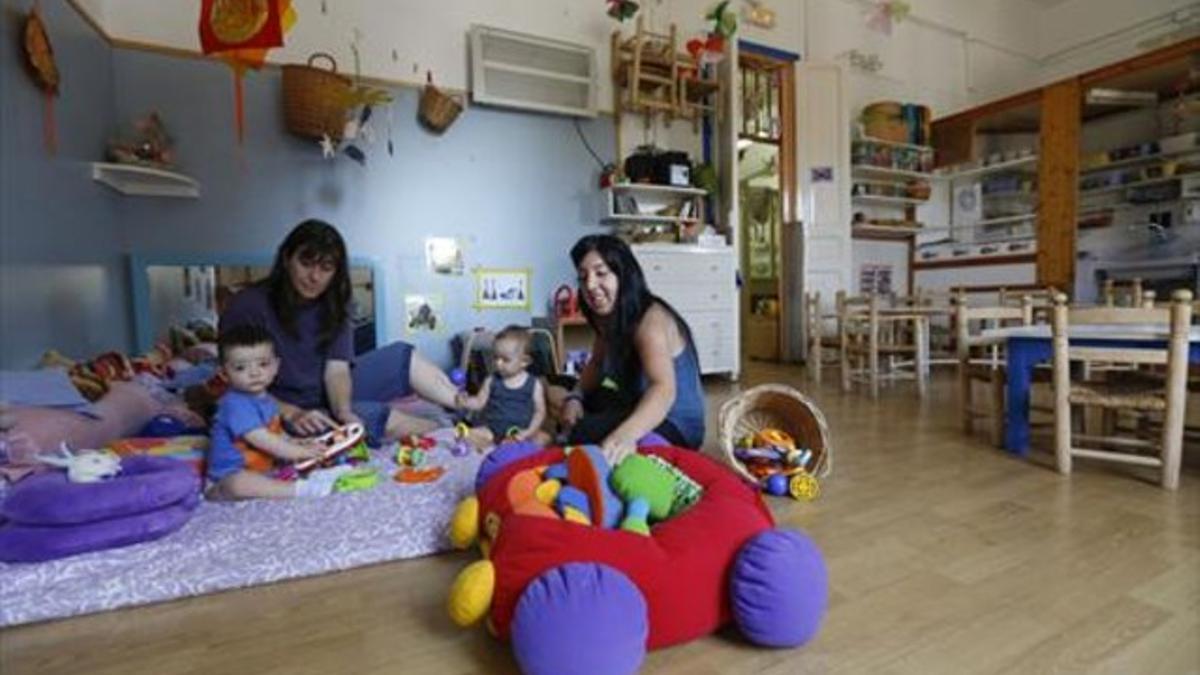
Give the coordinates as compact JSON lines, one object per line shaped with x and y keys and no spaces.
{"x":305,"y":305}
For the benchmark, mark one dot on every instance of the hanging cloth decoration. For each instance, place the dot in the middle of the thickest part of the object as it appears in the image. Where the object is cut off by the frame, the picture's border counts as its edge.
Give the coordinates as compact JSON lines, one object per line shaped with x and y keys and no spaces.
{"x":884,"y":13}
{"x":242,"y":32}
{"x":45,"y":72}
{"x":710,"y":47}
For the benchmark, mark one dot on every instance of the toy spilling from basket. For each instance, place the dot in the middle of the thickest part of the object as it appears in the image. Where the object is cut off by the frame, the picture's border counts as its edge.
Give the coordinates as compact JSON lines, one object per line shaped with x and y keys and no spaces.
{"x":782,"y":468}
{"x":777,"y":438}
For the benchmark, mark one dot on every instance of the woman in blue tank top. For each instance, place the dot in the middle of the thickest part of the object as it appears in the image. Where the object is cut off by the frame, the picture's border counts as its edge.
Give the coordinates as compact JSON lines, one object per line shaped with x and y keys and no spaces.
{"x":643,"y":375}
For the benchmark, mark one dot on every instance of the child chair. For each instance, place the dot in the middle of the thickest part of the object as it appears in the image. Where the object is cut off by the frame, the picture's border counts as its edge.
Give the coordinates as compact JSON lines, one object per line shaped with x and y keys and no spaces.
{"x":981,"y":359}
{"x":1138,"y":391}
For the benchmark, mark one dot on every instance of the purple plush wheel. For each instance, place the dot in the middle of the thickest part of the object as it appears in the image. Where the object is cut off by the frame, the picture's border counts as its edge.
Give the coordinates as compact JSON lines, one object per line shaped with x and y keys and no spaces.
{"x":502,"y":456}
{"x":779,"y":589}
{"x":581,"y":619}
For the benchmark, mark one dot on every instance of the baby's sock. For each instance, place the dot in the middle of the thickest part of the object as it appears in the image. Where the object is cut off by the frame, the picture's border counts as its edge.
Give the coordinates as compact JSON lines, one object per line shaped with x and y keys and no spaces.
{"x":319,"y":483}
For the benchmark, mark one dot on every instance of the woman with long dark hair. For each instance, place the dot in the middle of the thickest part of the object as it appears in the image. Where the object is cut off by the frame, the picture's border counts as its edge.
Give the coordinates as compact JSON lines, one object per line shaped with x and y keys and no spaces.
{"x":305,"y":305}
{"x":643,"y":374}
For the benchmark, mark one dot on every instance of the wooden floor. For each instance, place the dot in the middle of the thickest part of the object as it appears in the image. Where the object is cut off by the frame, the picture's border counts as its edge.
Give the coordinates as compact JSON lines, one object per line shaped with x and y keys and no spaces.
{"x":945,"y":556}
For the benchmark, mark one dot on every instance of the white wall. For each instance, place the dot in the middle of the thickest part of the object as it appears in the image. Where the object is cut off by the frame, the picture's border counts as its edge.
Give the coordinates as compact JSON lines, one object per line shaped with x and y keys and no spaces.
{"x":1081,"y":35}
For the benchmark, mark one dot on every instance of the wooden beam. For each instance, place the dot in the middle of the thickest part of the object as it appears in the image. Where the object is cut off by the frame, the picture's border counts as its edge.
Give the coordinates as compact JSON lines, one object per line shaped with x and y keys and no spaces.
{"x":1058,"y":184}
{"x":1179,"y":50}
{"x":1015,"y":101}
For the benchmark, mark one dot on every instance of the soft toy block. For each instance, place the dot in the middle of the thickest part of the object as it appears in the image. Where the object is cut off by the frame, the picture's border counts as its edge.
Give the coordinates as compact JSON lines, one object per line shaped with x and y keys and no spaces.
{"x":588,"y":470}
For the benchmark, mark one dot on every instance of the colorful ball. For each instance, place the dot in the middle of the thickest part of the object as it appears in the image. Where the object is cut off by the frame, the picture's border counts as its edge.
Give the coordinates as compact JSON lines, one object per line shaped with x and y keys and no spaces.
{"x":776,"y":484}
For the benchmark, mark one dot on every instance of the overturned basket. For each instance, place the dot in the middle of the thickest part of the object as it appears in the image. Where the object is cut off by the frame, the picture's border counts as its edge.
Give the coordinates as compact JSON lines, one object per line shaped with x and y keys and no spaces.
{"x":774,"y":406}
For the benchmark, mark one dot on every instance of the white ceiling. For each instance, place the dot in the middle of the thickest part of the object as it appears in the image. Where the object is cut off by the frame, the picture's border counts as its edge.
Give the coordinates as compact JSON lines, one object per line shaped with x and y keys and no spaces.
{"x":1047,"y":4}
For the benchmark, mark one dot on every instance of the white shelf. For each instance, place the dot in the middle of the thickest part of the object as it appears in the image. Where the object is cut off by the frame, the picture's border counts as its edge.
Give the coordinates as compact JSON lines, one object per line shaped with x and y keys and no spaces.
{"x":882,"y":200}
{"x":888,"y":172}
{"x":632,"y":218}
{"x":893,"y":144}
{"x":1141,"y":183}
{"x":1145,"y":159}
{"x":651,"y":187}
{"x":1010,"y":194}
{"x":991,"y":168}
{"x":144,"y":181}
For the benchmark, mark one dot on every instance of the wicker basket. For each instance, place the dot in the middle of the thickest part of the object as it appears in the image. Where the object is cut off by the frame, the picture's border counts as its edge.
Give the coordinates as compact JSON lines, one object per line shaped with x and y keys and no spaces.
{"x":774,"y":406}
{"x":314,"y":99}
{"x":438,"y":110}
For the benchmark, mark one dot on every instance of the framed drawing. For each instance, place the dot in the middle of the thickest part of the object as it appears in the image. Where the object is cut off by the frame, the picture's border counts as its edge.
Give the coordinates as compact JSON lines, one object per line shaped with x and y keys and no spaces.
{"x":502,"y":288}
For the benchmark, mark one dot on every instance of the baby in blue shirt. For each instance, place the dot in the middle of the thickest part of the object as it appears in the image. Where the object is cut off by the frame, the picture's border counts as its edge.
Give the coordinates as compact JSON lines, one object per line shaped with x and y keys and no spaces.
{"x":247,"y":439}
{"x":510,"y":403}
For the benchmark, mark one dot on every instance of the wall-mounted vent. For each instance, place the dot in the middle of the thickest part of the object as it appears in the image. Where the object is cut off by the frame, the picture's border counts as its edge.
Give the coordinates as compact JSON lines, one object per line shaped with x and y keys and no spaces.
{"x":515,"y":70}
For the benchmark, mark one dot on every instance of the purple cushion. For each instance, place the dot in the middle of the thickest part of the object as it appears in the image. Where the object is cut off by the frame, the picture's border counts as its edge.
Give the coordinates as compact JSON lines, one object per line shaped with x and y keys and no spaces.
{"x":503,"y":455}
{"x":35,"y":543}
{"x":580,"y":618}
{"x":779,"y":589}
{"x":145,"y":484}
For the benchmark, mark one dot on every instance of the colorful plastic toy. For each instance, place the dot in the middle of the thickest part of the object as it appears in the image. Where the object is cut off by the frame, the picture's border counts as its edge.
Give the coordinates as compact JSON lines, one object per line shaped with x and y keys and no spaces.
{"x":335,"y":442}
{"x":566,"y":593}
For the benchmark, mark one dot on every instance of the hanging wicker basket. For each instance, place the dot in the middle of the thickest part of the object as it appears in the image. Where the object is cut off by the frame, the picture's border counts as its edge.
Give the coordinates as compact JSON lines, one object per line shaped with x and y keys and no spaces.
{"x":314,"y":99}
{"x":438,"y":110}
{"x":774,"y":406}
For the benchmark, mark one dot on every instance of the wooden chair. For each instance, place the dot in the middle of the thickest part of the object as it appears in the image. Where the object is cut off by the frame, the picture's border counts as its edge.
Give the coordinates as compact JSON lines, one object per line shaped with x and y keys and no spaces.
{"x":1042,"y":299}
{"x":1122,"y":293}
{"x":868,"y":337}
{"x":980,"y":359}
{"x":818,"y":340}
{"x":1152,"y":395}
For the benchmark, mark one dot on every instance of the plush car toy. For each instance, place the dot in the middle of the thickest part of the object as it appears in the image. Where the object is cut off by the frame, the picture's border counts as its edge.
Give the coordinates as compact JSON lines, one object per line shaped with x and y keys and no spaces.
{"x":576,"y":591}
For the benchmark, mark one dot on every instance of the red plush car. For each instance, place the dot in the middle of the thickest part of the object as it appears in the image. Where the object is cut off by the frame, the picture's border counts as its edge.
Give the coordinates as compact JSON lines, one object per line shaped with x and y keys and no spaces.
{"x":578,"y":598}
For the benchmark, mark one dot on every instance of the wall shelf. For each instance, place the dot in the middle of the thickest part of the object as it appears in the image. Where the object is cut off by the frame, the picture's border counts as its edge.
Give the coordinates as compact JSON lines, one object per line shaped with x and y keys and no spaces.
{"x":893,"y":144}
{"x":882,"y":200}
{"x":144,"y":181}
{"x":888,"y":172}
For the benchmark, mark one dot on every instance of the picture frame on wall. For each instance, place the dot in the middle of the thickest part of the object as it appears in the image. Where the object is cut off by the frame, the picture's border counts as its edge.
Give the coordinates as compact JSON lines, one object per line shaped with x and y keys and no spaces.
{"x":502,"y":288}
{"x":423,"y":313}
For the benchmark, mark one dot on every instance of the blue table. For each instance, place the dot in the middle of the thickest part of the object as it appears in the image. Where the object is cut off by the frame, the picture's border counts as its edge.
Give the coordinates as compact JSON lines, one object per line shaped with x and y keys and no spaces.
{"x":1029,"y":346}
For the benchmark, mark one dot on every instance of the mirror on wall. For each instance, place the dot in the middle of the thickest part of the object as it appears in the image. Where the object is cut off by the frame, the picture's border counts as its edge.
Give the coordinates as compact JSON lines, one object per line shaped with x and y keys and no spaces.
{"x":178,"y":291}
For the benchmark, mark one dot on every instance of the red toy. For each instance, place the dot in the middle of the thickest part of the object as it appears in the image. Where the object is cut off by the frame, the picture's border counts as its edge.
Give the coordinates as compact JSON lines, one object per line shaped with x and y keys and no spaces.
{"x":691,"y":571}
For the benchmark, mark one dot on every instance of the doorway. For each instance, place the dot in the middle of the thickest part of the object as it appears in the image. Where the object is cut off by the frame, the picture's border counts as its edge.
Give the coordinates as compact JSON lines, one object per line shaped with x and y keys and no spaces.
{"x":766,"y":152}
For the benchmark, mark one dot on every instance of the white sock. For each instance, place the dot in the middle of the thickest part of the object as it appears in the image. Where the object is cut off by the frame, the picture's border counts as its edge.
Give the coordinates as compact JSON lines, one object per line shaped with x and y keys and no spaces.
{"x":320,"y":482}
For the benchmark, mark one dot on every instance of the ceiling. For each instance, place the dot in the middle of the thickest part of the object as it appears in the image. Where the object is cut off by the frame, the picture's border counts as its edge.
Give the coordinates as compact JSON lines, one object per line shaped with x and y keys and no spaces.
{"x":1047,"y":4}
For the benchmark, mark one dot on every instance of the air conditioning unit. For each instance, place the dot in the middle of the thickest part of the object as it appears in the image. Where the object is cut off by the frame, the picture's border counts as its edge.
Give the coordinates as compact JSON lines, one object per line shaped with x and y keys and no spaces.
{"x":515,"y":70}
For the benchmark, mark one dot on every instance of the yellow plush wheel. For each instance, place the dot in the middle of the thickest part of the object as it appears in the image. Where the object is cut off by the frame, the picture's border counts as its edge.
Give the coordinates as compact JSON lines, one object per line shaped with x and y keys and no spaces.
{"x":464,"y":526}
{"x":471,"y":594}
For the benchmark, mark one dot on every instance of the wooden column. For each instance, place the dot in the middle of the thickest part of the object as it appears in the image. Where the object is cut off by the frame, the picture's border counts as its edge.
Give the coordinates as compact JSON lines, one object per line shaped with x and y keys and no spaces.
{"x":1058,"y":184}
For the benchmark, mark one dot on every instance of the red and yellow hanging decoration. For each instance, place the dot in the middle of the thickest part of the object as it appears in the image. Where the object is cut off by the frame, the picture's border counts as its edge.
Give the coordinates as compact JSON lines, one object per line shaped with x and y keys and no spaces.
{"x":44,"y":70}
{"x":242,"y":32}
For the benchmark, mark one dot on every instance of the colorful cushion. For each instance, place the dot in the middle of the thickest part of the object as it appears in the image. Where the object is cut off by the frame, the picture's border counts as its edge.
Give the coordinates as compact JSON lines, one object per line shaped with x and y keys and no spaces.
{"x":144,"y":484}
{"x":35,"y":543}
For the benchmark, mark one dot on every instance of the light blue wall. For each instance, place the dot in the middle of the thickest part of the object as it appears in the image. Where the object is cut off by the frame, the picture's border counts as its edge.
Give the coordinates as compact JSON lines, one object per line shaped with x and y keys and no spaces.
{"x":62,"y":273}
{"x":519,"y":188}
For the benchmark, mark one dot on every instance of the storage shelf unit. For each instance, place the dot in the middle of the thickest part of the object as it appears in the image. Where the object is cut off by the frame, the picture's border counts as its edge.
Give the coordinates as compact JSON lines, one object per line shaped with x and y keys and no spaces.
{"x":1141,"y":183}
{"x":888,"y":172}
{"x":1138,"y":161}
{"x":883,"y":200}
{"x":144,"y":181}
{"x":1010,"y":165}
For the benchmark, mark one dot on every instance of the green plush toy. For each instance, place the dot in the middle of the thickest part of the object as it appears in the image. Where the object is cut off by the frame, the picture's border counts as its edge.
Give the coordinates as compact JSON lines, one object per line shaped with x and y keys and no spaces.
{"x":665,"y":489}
